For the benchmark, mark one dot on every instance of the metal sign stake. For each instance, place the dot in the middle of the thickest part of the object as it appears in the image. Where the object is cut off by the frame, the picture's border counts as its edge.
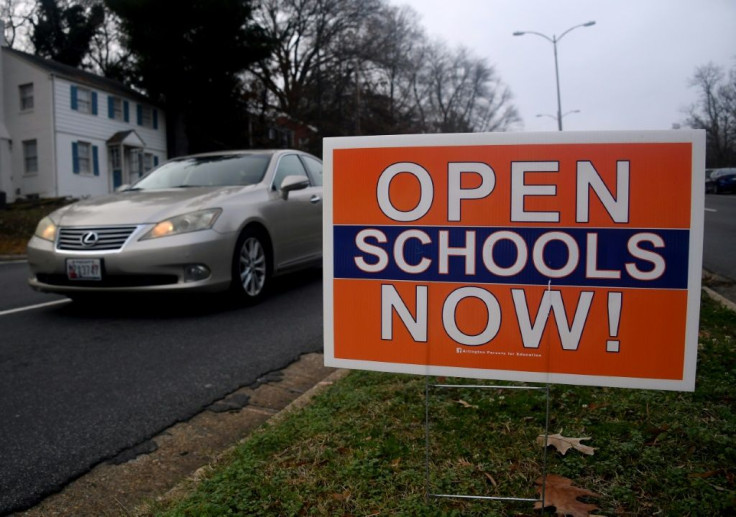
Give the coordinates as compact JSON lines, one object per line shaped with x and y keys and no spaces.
{"x":428,"y":491}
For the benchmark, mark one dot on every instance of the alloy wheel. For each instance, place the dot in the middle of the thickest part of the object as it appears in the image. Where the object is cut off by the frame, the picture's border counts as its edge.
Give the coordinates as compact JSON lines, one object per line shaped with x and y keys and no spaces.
{"x":252,"y":267}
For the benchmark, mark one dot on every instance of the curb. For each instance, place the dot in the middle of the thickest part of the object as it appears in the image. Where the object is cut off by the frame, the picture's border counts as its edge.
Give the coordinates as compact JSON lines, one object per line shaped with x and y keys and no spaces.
{"x":720,"y":298}
{"x":189,"y":483}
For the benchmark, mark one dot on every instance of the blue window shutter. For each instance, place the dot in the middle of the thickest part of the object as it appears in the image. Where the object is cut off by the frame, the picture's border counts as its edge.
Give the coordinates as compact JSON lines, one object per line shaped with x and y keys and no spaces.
{"x":74,"y":97}
{"x":155,"y":160}
{"x":155,"y":118}
{"x":110,"y":107}
{"x":140,"y":115}
{"x":126,"y":111}
{"x":95,"y":160}
{"x":94,"y":103}
{"x":75,"y":158}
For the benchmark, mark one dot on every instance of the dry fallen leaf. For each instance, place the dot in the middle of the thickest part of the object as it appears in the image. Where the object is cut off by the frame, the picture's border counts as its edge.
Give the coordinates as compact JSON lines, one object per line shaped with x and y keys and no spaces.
{"x":564,"y":444}
{"x":341,"y":497}
{"x":465,"y":404}
{"x":464,"y":463}
{"x":560,"y":493}
{"x":490,"y":478}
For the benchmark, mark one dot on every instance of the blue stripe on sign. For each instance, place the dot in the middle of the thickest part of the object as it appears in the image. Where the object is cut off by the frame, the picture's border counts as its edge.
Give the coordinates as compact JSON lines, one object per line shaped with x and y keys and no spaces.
{"x":602,"y":252}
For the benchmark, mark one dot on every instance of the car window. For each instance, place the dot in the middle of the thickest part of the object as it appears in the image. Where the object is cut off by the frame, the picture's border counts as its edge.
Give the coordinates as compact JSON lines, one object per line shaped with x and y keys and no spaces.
{"x":207,"y":171}
{"x":289,"y":165}
{"x":315,"y":169}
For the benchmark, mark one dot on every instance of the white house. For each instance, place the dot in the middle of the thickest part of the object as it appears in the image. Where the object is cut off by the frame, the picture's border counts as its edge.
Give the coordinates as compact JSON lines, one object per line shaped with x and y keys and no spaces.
{"x":66,"y":132}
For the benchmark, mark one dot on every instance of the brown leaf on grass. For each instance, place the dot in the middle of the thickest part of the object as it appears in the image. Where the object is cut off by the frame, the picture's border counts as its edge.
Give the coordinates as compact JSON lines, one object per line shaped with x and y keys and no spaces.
{"x":464,"y":463}
{"x":704,"y":475}
{"x":490,"y":478}
{"x":564,"y":444}
{"x":560,"y":493}
{"x":341,"y":497}
{"x":465,"y":404}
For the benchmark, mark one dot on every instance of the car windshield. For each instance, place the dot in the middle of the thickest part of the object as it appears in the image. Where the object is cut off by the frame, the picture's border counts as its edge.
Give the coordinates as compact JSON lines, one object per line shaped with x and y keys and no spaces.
{"x":207,"y":171}
{"x":717,"y":173}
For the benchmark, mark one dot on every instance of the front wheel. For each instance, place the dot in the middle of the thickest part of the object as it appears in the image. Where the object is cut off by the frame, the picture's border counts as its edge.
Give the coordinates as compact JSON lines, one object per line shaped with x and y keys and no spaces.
{"x":250,"y":275}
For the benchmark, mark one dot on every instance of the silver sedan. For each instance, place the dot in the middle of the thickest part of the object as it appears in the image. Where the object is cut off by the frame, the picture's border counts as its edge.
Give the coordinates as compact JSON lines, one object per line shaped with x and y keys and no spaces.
{"x":209,"y":222}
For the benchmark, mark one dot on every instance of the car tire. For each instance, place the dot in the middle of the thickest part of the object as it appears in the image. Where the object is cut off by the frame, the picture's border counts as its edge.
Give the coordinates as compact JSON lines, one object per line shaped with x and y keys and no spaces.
{"x":251,"y":268}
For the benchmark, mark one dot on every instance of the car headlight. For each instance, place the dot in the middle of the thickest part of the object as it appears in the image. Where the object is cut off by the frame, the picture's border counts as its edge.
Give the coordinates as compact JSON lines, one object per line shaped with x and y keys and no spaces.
{"x":46,"y":229}
{"x":191,"y":222}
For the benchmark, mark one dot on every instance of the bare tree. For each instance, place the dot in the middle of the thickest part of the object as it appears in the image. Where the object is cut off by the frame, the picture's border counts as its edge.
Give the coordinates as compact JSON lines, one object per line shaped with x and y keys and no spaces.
{"x":315,"y":54}
{"x":393,"y":38}
{"x":17,"y":16}
{"x":715,"y":111}
{"x":108,"y":55}
{"x":457,"y":92}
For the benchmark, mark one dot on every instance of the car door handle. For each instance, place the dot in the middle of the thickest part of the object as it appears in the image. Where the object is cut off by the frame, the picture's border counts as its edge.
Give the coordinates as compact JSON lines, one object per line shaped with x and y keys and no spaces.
{"x":315,"y":199}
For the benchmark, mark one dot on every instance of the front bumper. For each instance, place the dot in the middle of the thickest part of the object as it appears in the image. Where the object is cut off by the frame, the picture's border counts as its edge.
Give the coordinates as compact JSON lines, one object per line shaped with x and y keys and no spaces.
{"x":154,"y":265}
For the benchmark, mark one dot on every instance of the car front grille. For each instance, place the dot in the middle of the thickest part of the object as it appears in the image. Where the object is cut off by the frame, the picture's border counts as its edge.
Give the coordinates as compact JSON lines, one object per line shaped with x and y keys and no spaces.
{"x":108,"y":238}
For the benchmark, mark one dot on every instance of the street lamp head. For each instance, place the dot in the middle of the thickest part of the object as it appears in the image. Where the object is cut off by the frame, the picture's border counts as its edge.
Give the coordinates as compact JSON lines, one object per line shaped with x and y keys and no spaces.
{"x":519,"y":33}
{"x":588,"y":24}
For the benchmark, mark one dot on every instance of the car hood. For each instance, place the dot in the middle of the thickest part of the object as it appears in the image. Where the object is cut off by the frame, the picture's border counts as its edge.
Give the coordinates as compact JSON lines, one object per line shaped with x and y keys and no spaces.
{"x":145,"y":206}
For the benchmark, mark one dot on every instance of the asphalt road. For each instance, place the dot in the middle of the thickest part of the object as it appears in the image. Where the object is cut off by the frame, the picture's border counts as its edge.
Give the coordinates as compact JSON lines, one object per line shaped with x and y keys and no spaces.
{"x":79,"y":385}
{"x":719,"y":246}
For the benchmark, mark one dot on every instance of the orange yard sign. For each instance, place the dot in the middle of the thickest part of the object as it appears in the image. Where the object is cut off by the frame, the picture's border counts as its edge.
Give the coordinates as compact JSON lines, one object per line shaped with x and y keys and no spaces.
{"x":558,"y":257}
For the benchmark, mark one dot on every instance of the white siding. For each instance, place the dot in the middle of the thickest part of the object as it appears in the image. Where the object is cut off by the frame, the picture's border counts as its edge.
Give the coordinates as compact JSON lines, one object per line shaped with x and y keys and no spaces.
{"x":73,"y":126}
{"x":100,"y":125}
{"x":34,"y":124}
{"x":81,"y":185}
{"x":55,"y":127}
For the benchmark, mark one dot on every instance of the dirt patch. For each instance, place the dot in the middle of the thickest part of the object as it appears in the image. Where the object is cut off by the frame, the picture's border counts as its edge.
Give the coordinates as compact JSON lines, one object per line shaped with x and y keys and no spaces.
{"x":151,"y":470}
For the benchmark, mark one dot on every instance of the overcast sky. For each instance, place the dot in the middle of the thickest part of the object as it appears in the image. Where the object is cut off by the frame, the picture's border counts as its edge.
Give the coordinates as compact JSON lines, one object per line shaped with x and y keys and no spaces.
{"x":631,"y":70}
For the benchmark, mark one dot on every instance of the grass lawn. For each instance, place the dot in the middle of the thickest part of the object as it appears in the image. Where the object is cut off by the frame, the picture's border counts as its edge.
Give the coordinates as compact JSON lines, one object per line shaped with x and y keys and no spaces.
{"x":359,"y":447}
{"x":18,"y":222}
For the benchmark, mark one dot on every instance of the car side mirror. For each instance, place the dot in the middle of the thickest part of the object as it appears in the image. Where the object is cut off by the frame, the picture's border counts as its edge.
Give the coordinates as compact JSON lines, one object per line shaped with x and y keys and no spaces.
{"x":291,"y":183}
{"x":122,"y":188}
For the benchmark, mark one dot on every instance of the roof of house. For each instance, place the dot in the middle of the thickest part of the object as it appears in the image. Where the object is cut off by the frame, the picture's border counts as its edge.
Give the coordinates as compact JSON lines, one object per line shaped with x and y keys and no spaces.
{"x":129,"y":137}
{"x":78,"y":76}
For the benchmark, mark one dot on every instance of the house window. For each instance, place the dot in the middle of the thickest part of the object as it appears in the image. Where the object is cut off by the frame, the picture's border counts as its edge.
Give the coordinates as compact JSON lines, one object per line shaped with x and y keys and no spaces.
{"x":30,"y":156}
{"x":85,"y":158}
{"x":117,"y":108}
{"x":26,"y":96}
{"x":147,"y":162}
{"x":83,"y":100}
{"x":147,"y":117}
{"x":135,"y":164}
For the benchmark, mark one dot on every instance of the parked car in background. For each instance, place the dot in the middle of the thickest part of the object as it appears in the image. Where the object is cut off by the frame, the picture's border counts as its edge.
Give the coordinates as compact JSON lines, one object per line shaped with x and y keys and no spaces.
{"x":708,"y":181}
{"x":225,"y":221}
{"x":722,"y":181}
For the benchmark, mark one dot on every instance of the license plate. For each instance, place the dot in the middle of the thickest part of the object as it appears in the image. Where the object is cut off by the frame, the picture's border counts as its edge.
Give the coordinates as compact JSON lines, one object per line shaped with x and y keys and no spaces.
{"x":84,"y":269}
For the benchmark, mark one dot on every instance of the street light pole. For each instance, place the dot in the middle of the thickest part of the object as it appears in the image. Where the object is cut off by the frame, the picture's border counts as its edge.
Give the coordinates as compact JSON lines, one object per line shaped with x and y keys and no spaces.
{"x":554,"y":39}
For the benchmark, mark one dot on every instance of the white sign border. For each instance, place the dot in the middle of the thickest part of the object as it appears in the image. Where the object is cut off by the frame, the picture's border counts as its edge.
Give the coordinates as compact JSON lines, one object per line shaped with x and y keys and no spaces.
{"x":694,"y":137}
